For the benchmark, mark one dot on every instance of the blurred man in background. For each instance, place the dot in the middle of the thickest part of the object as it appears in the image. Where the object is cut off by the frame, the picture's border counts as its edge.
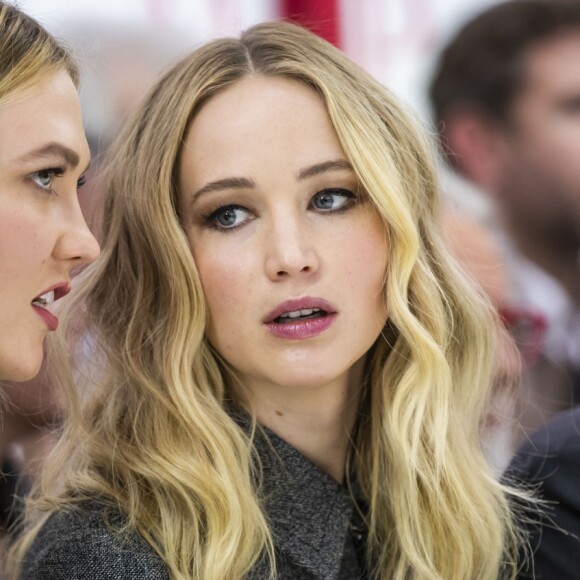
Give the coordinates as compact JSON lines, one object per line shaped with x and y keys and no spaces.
{"x":506,"y":98}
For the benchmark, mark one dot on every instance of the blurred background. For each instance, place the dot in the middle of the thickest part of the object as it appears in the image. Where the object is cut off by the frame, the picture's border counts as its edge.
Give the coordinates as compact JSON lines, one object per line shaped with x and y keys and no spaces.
{"x":395,"y":40}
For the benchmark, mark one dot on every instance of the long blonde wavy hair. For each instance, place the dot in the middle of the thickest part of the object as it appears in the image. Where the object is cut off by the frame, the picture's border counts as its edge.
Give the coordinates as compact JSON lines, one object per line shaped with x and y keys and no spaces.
{"x":147,"y":424}
{"x":28,"y":55}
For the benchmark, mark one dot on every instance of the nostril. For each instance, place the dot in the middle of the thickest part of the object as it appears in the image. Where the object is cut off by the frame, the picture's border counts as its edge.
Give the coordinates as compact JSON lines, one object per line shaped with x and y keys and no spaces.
{"x":305,"y":269}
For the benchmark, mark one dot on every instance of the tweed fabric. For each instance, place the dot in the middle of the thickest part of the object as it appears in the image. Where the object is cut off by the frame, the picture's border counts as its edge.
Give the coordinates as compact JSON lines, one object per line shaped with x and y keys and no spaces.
{"x":317,"y":531}
{"x":80,"y":544}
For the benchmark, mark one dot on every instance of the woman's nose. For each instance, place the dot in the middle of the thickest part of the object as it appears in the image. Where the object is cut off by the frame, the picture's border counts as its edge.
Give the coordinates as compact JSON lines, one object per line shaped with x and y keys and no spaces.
{"x":290,"y":249}
{"x":76,"y":244}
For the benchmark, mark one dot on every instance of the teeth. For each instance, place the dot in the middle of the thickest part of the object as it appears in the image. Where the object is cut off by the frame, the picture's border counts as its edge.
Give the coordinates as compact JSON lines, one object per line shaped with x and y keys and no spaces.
{"x":45,"y":299}
{"x":298,"y":313}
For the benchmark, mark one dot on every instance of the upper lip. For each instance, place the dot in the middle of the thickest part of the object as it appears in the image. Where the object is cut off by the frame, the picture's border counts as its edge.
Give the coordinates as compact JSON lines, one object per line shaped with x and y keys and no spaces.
{"x":304,"y":303}
{"x":61,"y":289}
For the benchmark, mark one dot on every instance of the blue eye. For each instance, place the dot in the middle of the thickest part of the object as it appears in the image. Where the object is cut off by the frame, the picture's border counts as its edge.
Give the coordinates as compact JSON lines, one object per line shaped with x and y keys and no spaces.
{"x":44,"y":178}
{"x":331,"y":200}
{"x":228,"y":217}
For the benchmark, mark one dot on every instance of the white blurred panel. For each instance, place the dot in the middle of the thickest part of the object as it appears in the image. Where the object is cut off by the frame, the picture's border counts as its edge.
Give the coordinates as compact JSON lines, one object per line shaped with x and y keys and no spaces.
{"x":53,"y":12}
{"x":397,"y":40}
{"x":199,"y":19}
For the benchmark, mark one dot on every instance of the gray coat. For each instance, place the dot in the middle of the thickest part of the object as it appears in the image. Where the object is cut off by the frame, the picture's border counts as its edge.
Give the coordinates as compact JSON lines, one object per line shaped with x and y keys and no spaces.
{"x":317,"y":532}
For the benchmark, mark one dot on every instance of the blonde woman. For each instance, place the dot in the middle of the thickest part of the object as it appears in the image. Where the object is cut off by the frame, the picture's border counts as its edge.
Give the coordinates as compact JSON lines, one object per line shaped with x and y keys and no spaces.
{"x":43,"y":155}
{"x":288,"y":376}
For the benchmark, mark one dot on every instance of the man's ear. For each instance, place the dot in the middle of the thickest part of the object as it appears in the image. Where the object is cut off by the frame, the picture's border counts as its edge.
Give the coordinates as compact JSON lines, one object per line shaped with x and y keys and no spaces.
{"x":475,"y":146}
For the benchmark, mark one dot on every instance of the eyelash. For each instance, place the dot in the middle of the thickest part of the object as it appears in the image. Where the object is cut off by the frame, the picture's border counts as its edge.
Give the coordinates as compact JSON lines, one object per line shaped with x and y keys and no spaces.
{"x":211,"y":218}
{"x":52,"y":173}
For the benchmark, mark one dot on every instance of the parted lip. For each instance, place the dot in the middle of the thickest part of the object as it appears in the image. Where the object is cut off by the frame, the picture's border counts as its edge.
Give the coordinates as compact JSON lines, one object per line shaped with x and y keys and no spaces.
{"x":61,"y":289}
{"x":304,"y":303}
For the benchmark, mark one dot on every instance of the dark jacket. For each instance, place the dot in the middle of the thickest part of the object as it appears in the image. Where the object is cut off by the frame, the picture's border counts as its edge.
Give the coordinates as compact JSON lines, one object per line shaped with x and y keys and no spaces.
{"x":550,"y":461}
{"x":317,"y":532}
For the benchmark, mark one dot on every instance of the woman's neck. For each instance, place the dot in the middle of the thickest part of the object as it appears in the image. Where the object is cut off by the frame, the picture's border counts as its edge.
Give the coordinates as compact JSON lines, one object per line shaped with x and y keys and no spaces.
{"x":317,"y":421}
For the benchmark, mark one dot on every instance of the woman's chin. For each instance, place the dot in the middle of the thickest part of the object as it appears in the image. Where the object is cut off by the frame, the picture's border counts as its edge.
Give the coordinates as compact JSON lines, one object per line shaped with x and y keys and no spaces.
{"x":24,"y":369}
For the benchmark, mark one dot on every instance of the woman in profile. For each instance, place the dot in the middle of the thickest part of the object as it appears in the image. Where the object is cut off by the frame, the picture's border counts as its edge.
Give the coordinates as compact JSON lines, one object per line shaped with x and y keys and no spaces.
{"x":43,"y":235}
{"x":43,"y":155}
{"x":287,"y":375}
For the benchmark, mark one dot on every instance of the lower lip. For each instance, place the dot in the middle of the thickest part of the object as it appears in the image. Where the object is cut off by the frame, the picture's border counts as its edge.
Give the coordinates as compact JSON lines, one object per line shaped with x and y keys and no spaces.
{"x":50,"y":320}
{"x":301,"y":329}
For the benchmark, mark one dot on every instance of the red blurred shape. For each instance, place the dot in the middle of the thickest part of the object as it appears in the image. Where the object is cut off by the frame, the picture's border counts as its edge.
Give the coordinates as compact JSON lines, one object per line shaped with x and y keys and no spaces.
{"x":320,"y":16}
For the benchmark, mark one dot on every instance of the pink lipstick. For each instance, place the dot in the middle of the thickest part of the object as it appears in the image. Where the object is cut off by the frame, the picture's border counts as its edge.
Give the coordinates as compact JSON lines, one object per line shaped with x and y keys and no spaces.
{"x":46,"y":298}
{"x":49,"y":318}
{"x":300,"y":318}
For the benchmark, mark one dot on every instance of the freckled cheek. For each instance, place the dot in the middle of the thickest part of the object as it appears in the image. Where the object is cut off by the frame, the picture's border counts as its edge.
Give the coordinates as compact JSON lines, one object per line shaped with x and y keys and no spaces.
{"x":366,"y":261}
{"x":22,"y":249}
{"x":226,"y":278}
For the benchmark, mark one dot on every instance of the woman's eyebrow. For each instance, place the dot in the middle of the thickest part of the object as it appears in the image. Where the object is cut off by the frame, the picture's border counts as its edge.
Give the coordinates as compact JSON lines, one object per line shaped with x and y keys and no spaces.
{"x":221,"y":184}
{"x":53,"y":151}
{"x":245,"y":183}
{"x":319,"y":168}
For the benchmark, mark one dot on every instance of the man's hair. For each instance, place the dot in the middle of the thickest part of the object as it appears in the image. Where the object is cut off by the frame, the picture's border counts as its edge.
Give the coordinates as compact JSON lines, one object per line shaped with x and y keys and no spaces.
{"x":482,"y":66}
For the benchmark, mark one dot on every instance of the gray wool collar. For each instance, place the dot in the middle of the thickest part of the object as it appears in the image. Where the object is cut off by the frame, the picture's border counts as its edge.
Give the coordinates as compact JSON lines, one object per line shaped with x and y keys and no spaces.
{"x":309,"y":512}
